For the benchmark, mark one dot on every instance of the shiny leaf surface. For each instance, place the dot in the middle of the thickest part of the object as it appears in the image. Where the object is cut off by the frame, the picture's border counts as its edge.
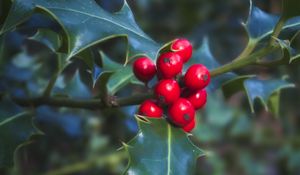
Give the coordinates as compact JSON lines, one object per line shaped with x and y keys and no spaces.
{"x":161,"y":149}
{"x":86,"y":24}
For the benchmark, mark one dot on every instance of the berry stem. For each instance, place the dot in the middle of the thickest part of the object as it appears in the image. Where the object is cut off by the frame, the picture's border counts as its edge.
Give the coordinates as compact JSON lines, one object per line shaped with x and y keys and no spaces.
{"x":277,"y":29}
{"x":240,"y":63}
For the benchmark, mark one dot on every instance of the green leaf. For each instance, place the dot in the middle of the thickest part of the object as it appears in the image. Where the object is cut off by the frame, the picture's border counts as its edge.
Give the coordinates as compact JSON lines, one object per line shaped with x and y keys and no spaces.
{"x":62,"y":61}
{"x":114,"y":76}
{"x":204,"y":56}
{"x":87,"y":24}
{"x":234,"y":85}
{"x":88,"y":58}
{"x":108,"y":64}
{"x":48,"y":38}
{"x":119,"y":79}
{"x":289,"y":54}
{"x":274,"y":103}
{"x":261,"y":24}
{"x":100,"y":83}
{"x":161,"y":149}
{"x":263,"y":89}
{"x":256,"y":88}
{"x":295,"y":58}
{"x":19,"y":12}
{"x":15,"y":130}
{"x":73,"y":87}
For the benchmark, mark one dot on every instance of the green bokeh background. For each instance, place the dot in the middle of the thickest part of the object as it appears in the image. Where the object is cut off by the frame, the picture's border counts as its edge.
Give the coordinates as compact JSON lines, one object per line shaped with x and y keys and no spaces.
{"x":238,"y":141}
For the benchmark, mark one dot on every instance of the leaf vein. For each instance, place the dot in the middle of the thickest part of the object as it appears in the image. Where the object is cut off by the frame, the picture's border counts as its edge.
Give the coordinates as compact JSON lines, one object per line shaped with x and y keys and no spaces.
{"x":98,"y":17}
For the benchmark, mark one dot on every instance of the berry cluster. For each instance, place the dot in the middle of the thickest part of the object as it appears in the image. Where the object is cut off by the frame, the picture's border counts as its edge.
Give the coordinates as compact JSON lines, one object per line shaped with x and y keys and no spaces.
{"x":179,"y":95}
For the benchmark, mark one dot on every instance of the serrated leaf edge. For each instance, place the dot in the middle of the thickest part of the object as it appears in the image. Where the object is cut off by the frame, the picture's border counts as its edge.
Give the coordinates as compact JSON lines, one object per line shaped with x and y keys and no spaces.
{"x":144,"y":120}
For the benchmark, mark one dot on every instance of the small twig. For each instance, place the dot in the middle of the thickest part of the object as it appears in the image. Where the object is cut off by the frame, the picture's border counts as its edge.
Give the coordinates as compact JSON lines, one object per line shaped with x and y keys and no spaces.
{"x":48,"y":89}
{"x":248,"y":60}
{"x":277,"y":30}
{"x":92,"y":104}
{"x":247,"y":50}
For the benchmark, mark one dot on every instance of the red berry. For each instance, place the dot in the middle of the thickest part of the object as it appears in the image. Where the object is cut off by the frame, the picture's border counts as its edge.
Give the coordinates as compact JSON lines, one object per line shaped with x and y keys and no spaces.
{"x":198,"y":98}
{"x":167,"y":91}
{"x":184,"y":48}
{"x":189,"y":127}
{"x":169,"y":65}
{"x":144,"y":69}
{"x":197,"y":77}
{"x":181,"y":112}
{"x":150,"y":109}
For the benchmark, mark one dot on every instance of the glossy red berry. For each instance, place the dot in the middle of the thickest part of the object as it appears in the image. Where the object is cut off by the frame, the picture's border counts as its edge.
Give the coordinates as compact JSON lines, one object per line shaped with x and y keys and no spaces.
{"x":144,"y":69}
{"x":169,"y":65}
{"x":150,"y":109}
{"x":167,"y":91}
{"x":184,"y":48}
{"x":197,"y":77}
{"x":181,"y":112}
{"x":198,"y":98}
{"x":189,"y":127}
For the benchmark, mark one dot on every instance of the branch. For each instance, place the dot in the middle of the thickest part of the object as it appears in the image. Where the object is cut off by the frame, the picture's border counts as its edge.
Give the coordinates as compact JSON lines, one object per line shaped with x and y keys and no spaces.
{"x":92,"y":104}
{"x":245,"y":61}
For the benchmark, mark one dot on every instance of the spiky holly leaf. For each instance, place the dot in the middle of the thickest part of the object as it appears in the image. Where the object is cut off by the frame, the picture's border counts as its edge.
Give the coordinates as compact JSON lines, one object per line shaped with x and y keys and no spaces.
{"x":261,"y":24}
{"x":162,"y":149}
{"x":289,"y":54}
{"x":263,"y":89}
{"x":15,"y":128}
{"x":108,"y":65}
{"x":258,"y":89}
{"x":73,"y":87}
{"x":112,"y":76}
{"x":18,"y":13}
{"x":203,"y":55}
{"x":86,"y":24}
{"x":48,"y":38}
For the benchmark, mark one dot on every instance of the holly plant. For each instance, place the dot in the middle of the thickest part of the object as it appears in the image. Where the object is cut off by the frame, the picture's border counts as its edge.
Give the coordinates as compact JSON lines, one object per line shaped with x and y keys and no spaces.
{"x":61,"y":66}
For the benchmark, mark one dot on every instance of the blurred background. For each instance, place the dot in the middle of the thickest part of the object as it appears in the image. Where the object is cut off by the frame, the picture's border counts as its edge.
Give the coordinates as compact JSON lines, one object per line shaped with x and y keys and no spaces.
{"x":85,"y":142}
